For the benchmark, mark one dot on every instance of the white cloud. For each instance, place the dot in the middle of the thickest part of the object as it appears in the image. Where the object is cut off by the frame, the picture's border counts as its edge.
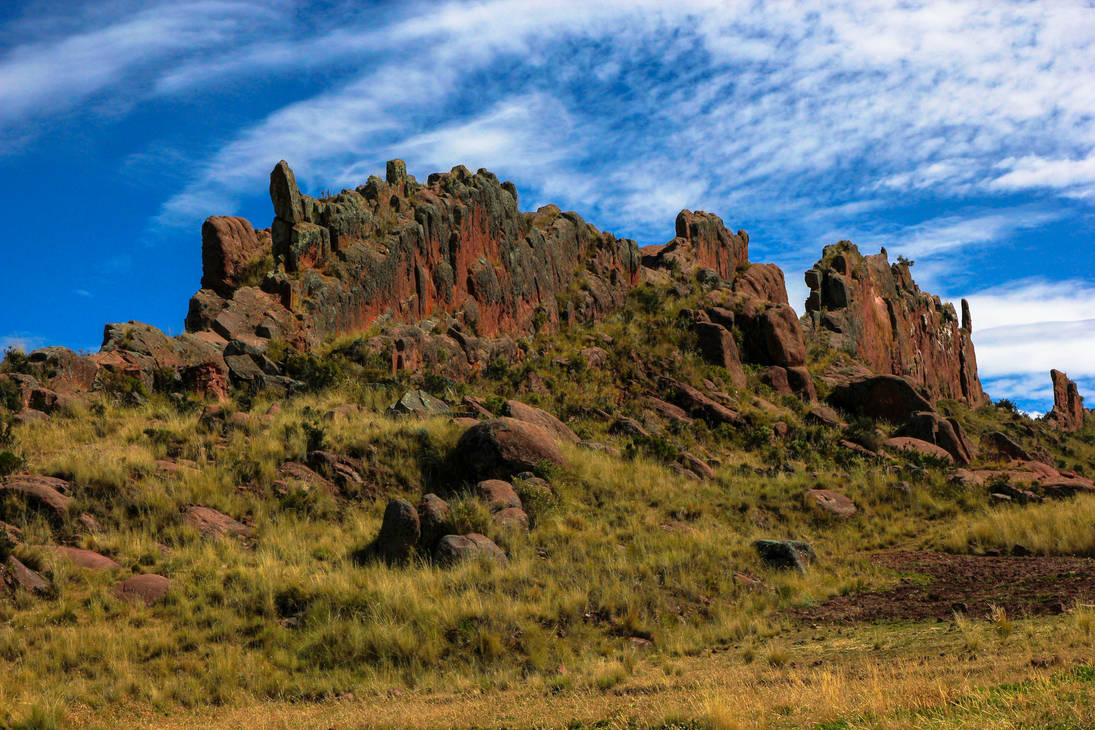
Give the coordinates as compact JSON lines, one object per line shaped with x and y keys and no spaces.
{"x":1032,"y":171}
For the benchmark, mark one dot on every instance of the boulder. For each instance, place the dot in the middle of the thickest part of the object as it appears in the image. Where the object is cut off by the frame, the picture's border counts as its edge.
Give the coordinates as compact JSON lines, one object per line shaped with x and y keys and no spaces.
{"x":454,"y":549}
{"x":699,"y":405}
{"x":717,"y":346}
{"x":1001,"y":444}
{"x":824,"y":416}
{"x":231,"y":250}
{"x":23,"y":577}
{"x":945,"y":433}
{"x":148,"y":589}
{"x":785,"y":554}
{"x":501,"y":447}
{"x":832,"y":502}
{"x":908,"y":443}
{"x":696,"y":465}
{"x":81,"y":558}
{"x":512,"y":518}
{"x":498,"y":495}
{"x":881,"y":397}
{"x":668,"y":411}
{"x":399,"y":532}
{"x":44,"y":492}
{"x":211,"y":523}
{"x":524,"y":412}
{"x":624,"y":426}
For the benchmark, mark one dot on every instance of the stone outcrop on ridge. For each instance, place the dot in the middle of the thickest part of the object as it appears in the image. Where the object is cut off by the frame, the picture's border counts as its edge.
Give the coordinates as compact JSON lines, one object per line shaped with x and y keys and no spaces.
{"x":873,"y":310}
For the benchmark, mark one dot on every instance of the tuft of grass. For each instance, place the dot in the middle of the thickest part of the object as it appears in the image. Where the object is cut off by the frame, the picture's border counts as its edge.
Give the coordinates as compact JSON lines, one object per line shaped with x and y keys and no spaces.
{"x":1047,"y":528}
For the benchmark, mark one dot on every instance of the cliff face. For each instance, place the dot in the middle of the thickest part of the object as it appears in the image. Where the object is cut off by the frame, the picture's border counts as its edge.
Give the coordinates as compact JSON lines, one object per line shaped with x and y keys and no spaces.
{"x":873,"y":310}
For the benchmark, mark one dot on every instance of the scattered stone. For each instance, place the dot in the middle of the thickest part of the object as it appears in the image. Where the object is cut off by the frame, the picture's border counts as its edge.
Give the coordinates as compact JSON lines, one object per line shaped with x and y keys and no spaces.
{"x":628,"y":427}
{"x":511,"y":517}
{"x":25,"y":578}
{"x":598,"y":446}
{"x":45,"y":492}
{"x":832,"y":502}
{"x":785,"y":554}
{"x":907,"y":443}
{"x":148,"y":589}
{"x":945,"y":433}
{"x":857,"y":448}
{"x":454,"y":549}
{"x":498,"y":495}
{"x":87,"y":559}
{"x":211,"y":523}
{"x":543,"y":419}
{"x":420,"y":404}
{"x":501,"y":447}
{"x":476,"y":406}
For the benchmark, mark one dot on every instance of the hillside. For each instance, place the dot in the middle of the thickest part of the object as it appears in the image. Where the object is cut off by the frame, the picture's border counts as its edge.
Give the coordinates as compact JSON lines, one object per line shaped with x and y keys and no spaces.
{"x":424,"y":459}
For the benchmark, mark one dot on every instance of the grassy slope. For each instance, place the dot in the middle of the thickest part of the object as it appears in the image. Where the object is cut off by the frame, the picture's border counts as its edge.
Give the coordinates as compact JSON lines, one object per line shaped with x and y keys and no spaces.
{"x":625,"y":549}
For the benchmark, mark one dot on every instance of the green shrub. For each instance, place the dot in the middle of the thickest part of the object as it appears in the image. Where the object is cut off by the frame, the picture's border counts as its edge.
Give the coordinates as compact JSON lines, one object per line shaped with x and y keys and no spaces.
{"x":16,"y":361}
{"x":10,"y":463}
{"x":10,"y":396}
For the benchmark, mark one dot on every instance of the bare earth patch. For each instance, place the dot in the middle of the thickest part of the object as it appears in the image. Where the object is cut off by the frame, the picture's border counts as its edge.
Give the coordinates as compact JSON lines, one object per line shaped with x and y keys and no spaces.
{"x":934,"y":584}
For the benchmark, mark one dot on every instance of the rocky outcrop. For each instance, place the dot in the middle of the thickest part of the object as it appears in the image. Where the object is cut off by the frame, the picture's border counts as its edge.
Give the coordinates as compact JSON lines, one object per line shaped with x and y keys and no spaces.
{"x":1068,"y":406}
{"x":445,"y":275}
{"x":873,"y":310}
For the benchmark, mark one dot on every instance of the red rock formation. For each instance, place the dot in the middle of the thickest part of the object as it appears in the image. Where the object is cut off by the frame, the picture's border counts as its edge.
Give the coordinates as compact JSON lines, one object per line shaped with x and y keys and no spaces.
{"x":1068,"y":406}
{"x":449,"y":272}
{"x":875,"y":311}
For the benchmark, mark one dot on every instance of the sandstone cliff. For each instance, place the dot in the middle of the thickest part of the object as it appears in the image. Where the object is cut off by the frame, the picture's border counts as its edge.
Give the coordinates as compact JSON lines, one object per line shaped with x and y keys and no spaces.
{"x":874,"y":310}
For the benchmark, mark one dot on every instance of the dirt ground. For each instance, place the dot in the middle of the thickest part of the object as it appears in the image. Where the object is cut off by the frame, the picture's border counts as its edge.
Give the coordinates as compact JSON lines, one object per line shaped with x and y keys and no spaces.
{"x":935,"y":585}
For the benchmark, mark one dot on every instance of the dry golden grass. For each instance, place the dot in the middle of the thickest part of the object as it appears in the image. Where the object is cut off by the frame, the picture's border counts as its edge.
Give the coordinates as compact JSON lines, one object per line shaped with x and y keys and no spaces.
{"x":1049,"y":528}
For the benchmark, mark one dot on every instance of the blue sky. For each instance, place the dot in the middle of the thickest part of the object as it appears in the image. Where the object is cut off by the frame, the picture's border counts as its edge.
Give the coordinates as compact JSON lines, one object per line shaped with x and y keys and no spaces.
{"x":960,"y":134}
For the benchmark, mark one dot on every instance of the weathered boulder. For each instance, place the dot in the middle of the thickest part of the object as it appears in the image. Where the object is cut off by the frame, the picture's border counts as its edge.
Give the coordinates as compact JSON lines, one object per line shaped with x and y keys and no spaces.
{"x":498,"y":495}
{"x":1001,"y":444}
{"x":785,"y":554}
{"x":81,"y":558}
{"x":501,"y":447}
{"x":764,"y":282}
{"x":44,"y":492}
{"x":717,"y":346}
{"x":15,"y":573}
{"x":945,"y":433}
{"x":211,"y":523}
{"x":696,"y":465}
{"x":543,"y":419}
{"x":668,"y":411}
{"x":624,"y":426}
{"x":399,"y":532}
{"x":231,"y":251}
{"x":908,"y":443}
{"x":454,"y":549}
{"x":886,"y":397}
{"x":864,"y":305}
{"x":1068,"y":406}
{"x":420,"y":404}
{"x":148,"y":589}
{"x":824,"y":416}
{"x":512,"y":518}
